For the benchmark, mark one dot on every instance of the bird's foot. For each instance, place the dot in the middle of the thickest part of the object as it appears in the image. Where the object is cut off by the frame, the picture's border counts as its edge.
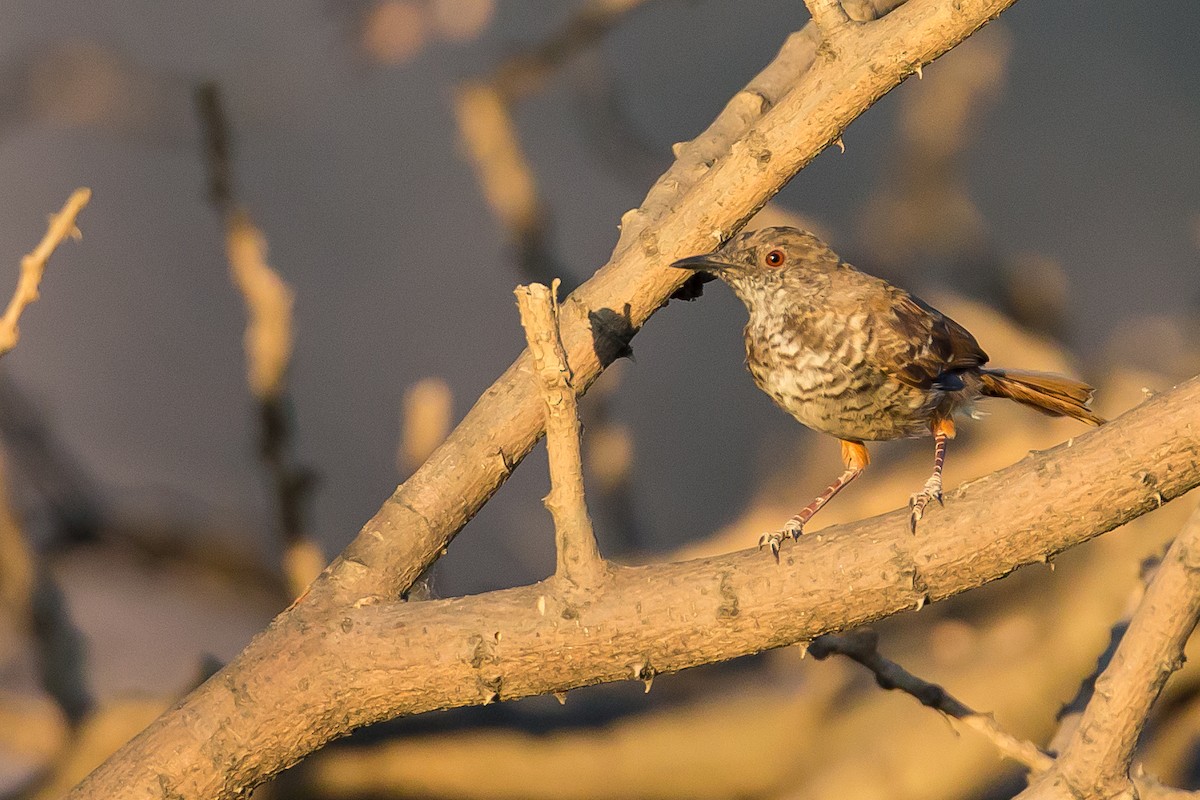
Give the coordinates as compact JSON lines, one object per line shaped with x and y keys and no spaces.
{"x":792,"y":530}
{"x":918,"y":502}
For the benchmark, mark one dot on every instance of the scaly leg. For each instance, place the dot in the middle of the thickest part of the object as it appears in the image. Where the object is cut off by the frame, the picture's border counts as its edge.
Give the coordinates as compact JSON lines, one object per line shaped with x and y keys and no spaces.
{"x":856,"y":459}
{"x":943,"y":429}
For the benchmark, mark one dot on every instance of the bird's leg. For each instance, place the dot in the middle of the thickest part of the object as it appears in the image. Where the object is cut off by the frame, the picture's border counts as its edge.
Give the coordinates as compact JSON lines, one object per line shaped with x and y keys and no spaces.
{"x":856,"y":459}
{"x":943,"y":429}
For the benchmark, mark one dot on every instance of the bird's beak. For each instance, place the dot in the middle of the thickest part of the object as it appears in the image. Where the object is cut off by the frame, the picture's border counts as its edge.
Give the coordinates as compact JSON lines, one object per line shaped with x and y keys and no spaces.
{"x":708,"y":262}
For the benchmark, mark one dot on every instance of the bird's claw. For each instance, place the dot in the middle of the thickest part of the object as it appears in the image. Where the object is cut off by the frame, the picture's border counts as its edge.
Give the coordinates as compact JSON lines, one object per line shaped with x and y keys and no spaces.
{"x":774,"y":539}
{"x":919,"y":501}
{"x":771,"y":540}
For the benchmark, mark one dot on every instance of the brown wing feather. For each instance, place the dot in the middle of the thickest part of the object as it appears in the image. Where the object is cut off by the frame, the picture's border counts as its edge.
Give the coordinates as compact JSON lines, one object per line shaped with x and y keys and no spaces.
{"x":926,"y":344}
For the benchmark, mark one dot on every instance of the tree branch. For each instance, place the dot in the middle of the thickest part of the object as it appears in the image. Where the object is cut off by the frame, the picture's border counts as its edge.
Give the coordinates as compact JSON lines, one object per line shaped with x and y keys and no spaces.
{"x":579,"y":560}
{"x":484,"y":111}
{"x":312,"y":675}
{"x":1096,"y":761}
{"x":307,"y":680}
{"x":25,"y":583}
{"x":1071,"y":713}
{"x":862,"y":647}
{"x":428,"y":408}
{"x":29,"y":590}
{"x":268,"y":345}
{"x":828,"y":14}
{"x":767,"y":133}
{"x":33,"y":266}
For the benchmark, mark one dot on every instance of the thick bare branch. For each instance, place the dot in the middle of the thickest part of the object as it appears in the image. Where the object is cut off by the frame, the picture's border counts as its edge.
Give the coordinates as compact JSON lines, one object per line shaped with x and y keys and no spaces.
{"x":768,"y":132}
{"x":33,"y":266}
{"x":1096,"y":761}
{"x":862,"y":647}
{"x":311,"y":678}
{"x":579,"y":559}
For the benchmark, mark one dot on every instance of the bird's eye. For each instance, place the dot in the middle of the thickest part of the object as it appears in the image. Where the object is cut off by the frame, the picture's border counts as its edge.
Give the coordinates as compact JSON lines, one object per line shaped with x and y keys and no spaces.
{"x":775,"y":258}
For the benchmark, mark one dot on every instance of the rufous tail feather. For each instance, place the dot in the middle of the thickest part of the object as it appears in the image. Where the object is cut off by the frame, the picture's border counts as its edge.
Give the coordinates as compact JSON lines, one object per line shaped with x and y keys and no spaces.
{"x":1050,"y":394}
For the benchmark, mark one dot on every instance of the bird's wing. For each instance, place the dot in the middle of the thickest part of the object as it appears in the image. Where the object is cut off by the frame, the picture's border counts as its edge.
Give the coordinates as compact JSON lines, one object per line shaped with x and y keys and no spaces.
{"x":919,"y":345}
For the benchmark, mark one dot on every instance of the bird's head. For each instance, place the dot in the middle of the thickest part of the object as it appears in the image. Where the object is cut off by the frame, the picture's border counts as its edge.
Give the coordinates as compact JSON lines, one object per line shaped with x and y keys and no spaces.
{"x":765,"y":258}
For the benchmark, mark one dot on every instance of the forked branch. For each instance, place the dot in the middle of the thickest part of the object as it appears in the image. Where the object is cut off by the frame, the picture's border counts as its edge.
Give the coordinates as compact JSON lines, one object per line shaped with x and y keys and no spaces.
{"x":788,"y":114}
{"x":349,"y":653}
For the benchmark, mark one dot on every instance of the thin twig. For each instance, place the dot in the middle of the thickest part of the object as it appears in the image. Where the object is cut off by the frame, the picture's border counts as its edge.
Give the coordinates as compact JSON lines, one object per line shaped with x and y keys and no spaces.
{"x":25,"y":583}
{"x":862,"y":647}
{"x":579,"y":560}
{"x":33,"y":266}
{"x":268,"y":300}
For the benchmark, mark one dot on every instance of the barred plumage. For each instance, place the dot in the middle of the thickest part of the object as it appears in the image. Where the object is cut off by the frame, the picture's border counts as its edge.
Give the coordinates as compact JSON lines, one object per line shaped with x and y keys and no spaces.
{"x":850,"y":355}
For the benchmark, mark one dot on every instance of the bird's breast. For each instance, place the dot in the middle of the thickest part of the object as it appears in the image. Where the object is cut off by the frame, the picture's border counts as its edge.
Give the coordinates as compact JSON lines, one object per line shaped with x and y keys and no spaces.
{"x":821,"y":372}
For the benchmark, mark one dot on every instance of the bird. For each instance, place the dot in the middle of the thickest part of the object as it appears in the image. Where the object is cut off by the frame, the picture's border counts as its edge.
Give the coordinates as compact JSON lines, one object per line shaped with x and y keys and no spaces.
{"x":852,"y":356}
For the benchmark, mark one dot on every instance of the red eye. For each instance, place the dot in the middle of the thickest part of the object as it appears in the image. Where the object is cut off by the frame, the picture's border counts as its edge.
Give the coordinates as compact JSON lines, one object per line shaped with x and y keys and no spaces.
{"x":775,"y":258}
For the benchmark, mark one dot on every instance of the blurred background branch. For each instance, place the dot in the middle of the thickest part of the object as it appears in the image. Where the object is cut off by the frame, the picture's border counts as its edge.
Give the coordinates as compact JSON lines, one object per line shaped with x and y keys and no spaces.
{"x":484,"y":110}
{"x":28,"y":589}
{"x":268,"y":343}
{"x":862,"y":647}
{"x":33,"y":266}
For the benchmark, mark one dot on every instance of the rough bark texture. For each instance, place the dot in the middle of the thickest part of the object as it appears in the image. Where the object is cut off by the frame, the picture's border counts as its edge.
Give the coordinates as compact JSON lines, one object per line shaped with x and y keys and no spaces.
{"x":768,"y":132}
{"x":1096,"y":760}
{"x":578,"y":560}
{"x":303,"y":682}
{"x":349,"y":653}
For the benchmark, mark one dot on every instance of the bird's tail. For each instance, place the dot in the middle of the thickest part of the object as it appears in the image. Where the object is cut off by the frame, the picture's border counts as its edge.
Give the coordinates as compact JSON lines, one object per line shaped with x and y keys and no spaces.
{"x":1048,"y":393}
